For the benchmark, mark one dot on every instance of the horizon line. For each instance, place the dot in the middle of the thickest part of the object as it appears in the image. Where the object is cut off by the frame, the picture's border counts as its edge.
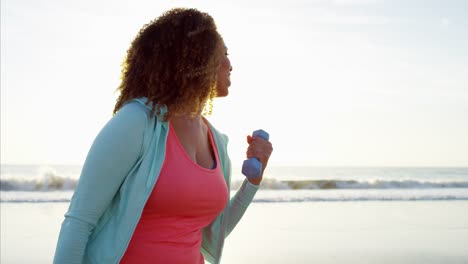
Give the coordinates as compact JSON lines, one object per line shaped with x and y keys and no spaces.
{"x":272,"y":165}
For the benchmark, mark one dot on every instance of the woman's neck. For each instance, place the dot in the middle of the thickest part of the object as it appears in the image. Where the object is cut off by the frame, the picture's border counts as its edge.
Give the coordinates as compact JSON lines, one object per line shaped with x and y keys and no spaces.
{"x":187,"y":122}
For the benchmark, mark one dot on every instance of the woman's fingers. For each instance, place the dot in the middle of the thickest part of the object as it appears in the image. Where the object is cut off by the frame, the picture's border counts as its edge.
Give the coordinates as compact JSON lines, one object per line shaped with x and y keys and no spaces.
{"x":259,"y":148}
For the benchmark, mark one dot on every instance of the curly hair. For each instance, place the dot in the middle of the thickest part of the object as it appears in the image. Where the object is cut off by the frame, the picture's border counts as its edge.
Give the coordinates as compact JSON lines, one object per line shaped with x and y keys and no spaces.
{"x":173,"y":61}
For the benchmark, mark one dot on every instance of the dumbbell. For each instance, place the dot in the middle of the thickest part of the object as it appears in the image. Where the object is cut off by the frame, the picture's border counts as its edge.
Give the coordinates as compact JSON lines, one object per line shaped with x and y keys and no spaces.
{"x":252,"y":168}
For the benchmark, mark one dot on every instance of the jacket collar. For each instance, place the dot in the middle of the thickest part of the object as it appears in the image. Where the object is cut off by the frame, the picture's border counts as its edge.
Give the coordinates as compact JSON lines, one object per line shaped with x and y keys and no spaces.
{"x":149,"y":105}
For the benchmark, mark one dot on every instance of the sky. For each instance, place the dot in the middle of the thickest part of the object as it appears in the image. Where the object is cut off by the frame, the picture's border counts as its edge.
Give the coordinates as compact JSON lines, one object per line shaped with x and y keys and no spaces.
{"x":334,"y":82}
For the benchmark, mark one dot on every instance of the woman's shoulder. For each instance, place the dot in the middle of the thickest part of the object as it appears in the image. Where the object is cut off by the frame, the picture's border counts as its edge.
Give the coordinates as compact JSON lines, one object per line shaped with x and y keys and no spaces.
{"x":132,"y":114}
{"x":135,"y":107}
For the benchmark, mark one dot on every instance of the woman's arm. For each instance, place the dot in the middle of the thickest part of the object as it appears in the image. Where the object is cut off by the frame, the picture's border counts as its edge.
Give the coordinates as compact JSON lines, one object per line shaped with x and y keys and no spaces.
{"x":111,"y":157}
{"x":261,"y":149}
{"x":239,"y":204}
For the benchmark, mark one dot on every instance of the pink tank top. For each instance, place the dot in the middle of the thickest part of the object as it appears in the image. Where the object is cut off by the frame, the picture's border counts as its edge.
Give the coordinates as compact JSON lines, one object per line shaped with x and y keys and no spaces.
{"x":186,"y":198}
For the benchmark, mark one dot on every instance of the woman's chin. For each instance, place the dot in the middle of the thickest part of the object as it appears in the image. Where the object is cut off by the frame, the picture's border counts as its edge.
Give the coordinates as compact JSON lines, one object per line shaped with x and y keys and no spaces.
{"x":223,"y":94}
{"x":223,"y":91}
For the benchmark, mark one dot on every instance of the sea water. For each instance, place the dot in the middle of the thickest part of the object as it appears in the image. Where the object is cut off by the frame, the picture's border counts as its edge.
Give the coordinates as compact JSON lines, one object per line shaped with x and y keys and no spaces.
{"x":45,"y":184}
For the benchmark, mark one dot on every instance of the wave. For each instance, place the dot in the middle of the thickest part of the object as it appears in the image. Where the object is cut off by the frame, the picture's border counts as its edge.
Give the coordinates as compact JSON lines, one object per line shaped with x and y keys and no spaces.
{"x":50,"y":181}
{"x":36,"y":201}
{"x":283,"y":196}
{"x":358,"y":199}
{"x":274,"y":184}
{"x":272,"y":196}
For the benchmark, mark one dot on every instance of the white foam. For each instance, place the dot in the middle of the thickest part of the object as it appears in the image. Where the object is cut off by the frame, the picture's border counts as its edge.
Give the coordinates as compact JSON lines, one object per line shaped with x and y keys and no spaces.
{"x":274,"y":184}
{"x":274,"y":196}
{"x":281,"y":196}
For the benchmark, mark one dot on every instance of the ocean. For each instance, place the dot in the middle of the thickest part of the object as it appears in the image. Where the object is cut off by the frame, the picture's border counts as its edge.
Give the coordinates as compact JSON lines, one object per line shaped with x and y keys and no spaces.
{"x":300,"y":215}
{"x":45,"y":184}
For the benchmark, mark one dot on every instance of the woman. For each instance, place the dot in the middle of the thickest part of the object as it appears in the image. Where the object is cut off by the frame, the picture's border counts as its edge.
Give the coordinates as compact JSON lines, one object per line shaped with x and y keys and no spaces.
{"x":155,"y":185}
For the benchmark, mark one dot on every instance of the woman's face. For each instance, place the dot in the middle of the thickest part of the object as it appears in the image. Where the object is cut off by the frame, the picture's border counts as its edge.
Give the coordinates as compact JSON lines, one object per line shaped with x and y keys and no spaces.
{"x":224,"y":74}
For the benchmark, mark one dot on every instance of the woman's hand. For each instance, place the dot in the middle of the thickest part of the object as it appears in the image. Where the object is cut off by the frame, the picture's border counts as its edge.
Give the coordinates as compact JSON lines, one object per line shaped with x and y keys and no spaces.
{"x":261,"y":149}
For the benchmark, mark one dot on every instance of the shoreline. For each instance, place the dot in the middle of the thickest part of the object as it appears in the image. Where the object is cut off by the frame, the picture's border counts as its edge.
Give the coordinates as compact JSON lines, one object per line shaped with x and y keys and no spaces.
{"x":299,"y":232}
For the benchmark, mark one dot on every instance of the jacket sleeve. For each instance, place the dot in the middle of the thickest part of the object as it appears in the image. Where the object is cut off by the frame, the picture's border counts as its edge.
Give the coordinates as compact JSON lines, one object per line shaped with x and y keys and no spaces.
{"x":239,"y":203}
{"x":113,"y":154}
{"x":241,"y":200}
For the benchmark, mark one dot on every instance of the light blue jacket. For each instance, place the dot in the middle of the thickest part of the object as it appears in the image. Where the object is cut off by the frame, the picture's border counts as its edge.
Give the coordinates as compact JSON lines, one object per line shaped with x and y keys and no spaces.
{"x":117,"y":178}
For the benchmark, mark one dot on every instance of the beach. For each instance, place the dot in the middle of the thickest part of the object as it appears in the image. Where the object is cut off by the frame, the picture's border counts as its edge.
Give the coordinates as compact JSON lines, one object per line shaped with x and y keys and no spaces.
{"x":288,"y":232}
{"x":352,"y":232}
